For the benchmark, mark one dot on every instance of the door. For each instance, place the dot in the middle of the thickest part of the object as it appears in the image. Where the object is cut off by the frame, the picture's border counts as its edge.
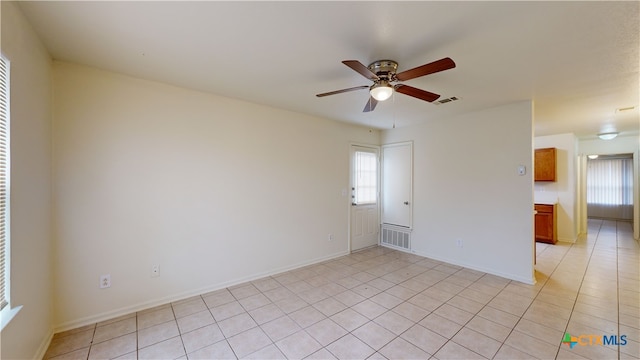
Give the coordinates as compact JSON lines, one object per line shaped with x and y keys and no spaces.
{"x":397,"y":189}
{"x":364,"y":196}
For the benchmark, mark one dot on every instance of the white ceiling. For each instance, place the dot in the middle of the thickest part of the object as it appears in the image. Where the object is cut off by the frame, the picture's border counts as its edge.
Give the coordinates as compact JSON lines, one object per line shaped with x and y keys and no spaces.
{"x":578,"y":61}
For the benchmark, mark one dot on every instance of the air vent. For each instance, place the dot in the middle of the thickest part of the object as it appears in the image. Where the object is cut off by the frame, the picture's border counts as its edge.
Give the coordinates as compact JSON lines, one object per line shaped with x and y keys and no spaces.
{"x":628,"y":108}
{"x":395,"y":236}
{"x":447,"y":100}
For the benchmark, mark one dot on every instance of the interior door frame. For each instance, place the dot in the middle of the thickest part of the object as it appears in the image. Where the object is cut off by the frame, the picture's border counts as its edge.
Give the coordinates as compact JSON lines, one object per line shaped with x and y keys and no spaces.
{"x":404,"y":143}
{"x":378,"y":178}
{"x":582,"y":193}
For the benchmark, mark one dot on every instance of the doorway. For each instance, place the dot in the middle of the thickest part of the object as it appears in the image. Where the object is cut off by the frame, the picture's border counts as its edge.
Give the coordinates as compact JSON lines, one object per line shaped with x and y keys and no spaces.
{"x":582,"y":191}
{"x":365,"y":194}
{"x":397,"y":195}
{"x":397,"y":188}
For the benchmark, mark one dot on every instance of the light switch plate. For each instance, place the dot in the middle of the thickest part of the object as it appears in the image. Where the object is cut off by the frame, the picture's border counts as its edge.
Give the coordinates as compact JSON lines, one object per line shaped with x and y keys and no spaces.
{"x":522,"y":170}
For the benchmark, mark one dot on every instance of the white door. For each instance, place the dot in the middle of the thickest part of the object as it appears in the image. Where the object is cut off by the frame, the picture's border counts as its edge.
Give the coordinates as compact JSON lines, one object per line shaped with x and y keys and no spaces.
{"x":364,"y":197}
{"x":397,"y":193}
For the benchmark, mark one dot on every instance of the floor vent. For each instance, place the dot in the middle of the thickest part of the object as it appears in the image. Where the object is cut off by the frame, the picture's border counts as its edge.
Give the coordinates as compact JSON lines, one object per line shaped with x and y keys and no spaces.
{"x":396,"y":236}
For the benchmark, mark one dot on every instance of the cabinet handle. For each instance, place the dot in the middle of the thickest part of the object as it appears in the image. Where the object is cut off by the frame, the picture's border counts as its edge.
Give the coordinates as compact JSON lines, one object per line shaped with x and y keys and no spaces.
{"x":406,"y":203}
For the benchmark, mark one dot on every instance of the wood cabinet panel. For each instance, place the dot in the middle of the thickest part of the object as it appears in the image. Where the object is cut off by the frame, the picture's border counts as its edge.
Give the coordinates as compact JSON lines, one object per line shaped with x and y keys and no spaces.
{"x":545,"y":223}
{"x":545,"y":164}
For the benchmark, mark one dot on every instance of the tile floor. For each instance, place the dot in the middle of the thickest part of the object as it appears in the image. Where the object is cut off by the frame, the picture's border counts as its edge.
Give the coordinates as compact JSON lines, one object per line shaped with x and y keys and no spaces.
{"x":384,"y":304}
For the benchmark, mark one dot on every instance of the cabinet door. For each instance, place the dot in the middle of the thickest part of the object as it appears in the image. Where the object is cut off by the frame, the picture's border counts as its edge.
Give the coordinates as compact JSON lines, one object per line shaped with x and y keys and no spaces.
{"x":545,"y":165}
{"x":544,"y":227}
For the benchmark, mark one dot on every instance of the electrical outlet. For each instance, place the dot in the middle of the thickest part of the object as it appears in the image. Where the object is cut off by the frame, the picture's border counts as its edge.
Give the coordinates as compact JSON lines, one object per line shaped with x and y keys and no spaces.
{"x":105,"y":281}
{"x":459,"y":243}
{"x":155,"y":271}
{"x":522,"y":170}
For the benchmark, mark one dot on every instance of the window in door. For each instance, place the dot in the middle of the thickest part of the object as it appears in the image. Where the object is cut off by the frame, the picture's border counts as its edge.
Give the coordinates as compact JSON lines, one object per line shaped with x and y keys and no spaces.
{"x":365,"y":178}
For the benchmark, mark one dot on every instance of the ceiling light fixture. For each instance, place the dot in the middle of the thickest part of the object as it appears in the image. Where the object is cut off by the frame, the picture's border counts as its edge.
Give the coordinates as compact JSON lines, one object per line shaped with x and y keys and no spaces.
{"x":381,"y":91}
{"x":592,"y":156}
{"x":608,"y":136}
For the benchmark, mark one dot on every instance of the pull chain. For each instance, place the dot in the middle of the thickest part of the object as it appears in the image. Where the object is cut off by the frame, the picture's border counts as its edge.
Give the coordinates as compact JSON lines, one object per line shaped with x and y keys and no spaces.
{"x":393,"y":104}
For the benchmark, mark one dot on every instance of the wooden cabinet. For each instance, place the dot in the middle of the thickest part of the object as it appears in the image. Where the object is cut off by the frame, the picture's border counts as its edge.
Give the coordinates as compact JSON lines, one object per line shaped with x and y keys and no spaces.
{"x":545,"y":223}
{"x":545,"y":165}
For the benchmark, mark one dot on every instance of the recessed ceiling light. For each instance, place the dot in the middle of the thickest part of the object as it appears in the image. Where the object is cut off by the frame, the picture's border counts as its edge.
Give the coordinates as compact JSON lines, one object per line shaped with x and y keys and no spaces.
{"x":592,"y":156}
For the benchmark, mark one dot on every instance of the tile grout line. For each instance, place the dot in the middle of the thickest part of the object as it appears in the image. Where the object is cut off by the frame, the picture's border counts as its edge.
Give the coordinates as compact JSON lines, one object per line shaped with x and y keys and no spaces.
{"x":137,"y":340}
{"x":572,"y":253}
{"x":555,"y":268}
{"x":593,"y":249}
{"x":618,"y":287}
{"x":581,"y":281}
{"x":474,"y":315}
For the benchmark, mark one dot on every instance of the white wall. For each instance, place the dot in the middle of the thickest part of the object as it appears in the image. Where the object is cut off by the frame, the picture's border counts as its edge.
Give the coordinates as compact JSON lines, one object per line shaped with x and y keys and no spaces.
{"x":619,"y":145}
{"x":466,"y":186}
{"x":28,"y":333}
{"x":212,"y":189}
{"x":563,"y":190}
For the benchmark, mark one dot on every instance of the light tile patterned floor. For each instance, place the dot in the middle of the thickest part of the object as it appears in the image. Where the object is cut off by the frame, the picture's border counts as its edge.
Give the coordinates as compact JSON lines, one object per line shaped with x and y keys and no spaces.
{"x":379,"y":303}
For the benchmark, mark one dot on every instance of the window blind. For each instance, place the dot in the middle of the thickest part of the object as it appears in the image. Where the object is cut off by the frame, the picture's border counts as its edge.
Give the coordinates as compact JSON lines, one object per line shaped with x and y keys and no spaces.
{"x":4,"y":180}
{"x":365,"y":178}
{"x":610,"y":188}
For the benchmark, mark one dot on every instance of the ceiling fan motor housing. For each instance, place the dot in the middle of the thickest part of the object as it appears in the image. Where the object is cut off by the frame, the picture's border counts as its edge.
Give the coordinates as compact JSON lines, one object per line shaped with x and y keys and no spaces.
{"x":384,"y":69}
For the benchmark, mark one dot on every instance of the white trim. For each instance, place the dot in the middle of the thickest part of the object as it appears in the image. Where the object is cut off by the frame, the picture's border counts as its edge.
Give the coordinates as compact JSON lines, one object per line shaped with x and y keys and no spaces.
{"x":44,"y":346}
{"x":352,"y":145}
{"x":403,"y":143}
{"x":568,"y":240}
{"x":7,"y":314}
{"x":185,"y":295}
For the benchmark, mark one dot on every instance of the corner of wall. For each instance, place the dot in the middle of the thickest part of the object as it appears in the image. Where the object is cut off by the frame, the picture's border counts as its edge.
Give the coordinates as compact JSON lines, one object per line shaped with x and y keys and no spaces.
{"x":29,"y":334}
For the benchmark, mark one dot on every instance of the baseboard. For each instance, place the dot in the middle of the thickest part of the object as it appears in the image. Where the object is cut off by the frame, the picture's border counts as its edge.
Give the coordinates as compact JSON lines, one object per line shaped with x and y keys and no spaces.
{"x":185,"y":295}
{"x":568,"y":240}
{"x":44,"y":346}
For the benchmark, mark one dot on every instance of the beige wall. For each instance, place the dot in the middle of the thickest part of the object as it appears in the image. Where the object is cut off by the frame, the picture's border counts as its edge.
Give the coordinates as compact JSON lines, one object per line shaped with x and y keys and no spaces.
{"x":466,"y":186}
{"x":564,"y":189}
{"x":212,"y":189}
{"x":28,"y":333}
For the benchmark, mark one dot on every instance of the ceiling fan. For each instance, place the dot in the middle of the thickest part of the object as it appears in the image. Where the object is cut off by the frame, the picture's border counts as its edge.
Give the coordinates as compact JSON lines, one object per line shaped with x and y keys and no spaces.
{"x":383,"y":74}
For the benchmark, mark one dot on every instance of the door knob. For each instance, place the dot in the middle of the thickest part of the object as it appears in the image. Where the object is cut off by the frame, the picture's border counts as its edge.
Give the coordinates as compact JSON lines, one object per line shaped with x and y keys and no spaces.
{"x":406,"y":203}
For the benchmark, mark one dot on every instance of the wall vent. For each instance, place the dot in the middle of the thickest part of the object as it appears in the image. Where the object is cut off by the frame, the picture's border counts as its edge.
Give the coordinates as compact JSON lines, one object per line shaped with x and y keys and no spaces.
{"x":395,"y":236}
{"x":447,"y":100}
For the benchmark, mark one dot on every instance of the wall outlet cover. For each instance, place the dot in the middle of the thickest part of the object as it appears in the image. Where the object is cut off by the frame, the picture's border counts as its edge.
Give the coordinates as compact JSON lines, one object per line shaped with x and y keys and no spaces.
{"x":105,"y":281}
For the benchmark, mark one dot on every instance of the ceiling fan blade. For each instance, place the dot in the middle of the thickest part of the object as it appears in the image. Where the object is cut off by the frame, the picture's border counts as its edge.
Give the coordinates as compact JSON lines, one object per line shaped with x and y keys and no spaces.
{"x":416,"y":93}
{"x":371,"y":104}
{"x":426,"y":69}
{"x":343,"y":90}
{"x":361,"y":69}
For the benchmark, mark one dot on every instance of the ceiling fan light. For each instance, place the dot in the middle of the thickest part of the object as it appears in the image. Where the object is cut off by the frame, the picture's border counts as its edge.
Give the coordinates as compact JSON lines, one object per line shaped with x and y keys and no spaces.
{"x":381,"y":91}
{"x":608,"y":136}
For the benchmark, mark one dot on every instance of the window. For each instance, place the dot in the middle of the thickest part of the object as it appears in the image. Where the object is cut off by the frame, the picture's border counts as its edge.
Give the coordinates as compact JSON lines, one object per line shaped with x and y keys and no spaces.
{"x":4,"y":182}
{"x":610,"y":187}
{"x":365,"y":177}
